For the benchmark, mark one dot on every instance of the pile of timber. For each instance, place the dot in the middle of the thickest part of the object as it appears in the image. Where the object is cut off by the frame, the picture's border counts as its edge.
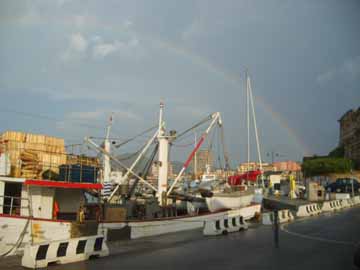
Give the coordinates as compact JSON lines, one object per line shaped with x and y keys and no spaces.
{"x":31,"y":154}
{"x":30,"y":164}
{"x":83,"y":160}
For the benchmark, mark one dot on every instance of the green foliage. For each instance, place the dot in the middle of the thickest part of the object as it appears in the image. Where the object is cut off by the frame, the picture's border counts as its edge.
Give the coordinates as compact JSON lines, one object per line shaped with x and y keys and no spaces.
{"x":321,"y":166}
{"x":338,"y":152}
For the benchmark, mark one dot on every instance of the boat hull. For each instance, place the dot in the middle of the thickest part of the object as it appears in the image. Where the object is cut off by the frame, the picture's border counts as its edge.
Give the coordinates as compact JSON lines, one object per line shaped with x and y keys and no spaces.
{"x":47,"y":230}
{"x":142,"y":229}
{"x":217,"y":203}
{"x":13,"y":228}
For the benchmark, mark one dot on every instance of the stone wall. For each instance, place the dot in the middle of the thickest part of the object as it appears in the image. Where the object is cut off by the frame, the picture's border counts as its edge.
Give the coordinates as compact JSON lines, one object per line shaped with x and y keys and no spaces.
{"x":350,"y":135}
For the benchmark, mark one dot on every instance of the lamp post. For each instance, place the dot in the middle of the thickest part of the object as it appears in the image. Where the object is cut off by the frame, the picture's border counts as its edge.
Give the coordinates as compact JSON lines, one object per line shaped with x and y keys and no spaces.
{"x":272,"y":154}
{"x":352,"y":183}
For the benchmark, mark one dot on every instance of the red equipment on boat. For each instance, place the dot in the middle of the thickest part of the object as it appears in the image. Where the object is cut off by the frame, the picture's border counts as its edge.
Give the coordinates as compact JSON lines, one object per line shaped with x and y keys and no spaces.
{"x":237,"y":180}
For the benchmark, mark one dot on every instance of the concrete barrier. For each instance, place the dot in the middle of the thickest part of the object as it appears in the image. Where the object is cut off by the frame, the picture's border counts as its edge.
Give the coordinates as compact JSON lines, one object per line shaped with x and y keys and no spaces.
{"x":347,"y":203}
{"x":63,"y":252}
{"x":224,"y":226}
{"x":309,"y":210}
{"x":284,"y":217}
{"x":331,"y":206}
{"x":356,"y":200}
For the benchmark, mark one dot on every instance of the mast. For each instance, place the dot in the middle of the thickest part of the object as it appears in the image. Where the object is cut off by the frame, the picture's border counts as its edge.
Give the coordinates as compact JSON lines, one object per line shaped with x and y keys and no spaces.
{"x":255,"y":128}
{"x":163,"y":158}
{"x":248,"y":124}
{"x":195,"y":157}
{"x":107,"y":148}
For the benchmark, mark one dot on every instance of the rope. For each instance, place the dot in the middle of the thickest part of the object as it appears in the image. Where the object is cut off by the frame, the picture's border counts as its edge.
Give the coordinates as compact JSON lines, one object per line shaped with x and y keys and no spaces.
{"x":135,"y":137}
{"x":194,"y":126}
{"x":19,"y":241}
{"x":183,"y":145}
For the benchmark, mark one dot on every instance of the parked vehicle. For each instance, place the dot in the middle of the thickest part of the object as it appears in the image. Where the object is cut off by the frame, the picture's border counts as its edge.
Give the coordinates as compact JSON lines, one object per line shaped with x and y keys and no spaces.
{"x":344,"y":185}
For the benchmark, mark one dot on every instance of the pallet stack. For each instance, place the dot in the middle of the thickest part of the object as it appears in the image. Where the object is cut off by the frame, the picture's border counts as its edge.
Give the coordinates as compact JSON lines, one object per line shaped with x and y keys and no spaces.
{"x":30,"y":164}
{"x":31,"y":154}
{"x":83,"y":160}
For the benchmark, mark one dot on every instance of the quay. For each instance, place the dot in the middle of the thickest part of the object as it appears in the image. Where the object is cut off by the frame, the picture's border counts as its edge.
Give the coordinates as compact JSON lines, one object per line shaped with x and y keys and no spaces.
{"x":324,"y":242}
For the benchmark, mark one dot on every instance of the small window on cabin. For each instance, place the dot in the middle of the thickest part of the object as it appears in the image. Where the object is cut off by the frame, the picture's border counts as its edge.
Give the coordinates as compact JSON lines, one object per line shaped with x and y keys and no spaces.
{"x":12,"y":198}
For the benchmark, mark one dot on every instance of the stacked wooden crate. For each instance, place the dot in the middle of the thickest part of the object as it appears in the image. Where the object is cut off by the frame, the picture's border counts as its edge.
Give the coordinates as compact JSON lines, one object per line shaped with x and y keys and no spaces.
{"x":83,"y":160}
{"x":32,"y":154}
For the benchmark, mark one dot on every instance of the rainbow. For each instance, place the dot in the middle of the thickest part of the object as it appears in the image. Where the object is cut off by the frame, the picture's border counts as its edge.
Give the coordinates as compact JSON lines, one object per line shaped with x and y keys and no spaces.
{"x":232,"y":79}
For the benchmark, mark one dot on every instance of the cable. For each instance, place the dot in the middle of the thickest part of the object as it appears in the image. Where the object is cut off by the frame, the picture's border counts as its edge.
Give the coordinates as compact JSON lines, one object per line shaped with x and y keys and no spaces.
{"x":48,"y":118}
{"x":194,"y":126}
{"x":135,"y":137}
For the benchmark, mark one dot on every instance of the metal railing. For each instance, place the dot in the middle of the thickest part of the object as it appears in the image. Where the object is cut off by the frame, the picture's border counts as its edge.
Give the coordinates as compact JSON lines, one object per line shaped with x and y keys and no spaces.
{"x":12,"y":205}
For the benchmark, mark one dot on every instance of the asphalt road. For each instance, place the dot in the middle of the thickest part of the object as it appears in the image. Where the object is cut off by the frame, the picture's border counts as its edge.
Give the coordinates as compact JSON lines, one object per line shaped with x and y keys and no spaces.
{"x":325,"y":242}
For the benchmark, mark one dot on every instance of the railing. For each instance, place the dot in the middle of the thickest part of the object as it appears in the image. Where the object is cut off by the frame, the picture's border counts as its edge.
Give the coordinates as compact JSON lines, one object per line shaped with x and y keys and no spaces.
{"x":11,"y":204}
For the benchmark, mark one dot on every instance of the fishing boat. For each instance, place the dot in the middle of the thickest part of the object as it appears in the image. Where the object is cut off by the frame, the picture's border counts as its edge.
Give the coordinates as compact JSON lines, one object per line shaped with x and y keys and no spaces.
{"x":35,"y":208}
{"x":161,"y":212}
{"x":58,"y":196}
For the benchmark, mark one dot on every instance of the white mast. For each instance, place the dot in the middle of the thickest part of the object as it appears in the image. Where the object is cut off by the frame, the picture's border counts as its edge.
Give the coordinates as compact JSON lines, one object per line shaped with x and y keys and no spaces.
{"x":163,"y":158}
{"x":107,"y":148}
{"x":248,"y":123}
{"x":255,"y":126}
{"x":195,"y":157}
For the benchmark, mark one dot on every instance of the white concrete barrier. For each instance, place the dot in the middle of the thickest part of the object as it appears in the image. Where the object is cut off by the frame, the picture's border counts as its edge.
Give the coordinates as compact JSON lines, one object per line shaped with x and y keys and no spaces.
{"x":62,"y":252}
{"x":309,"y":210}
{"x":331,"y":206}
{"x":284,"y":217}
{"x":356,"y":200}
{"x":224,"y":226}
{"x":347,"y":203}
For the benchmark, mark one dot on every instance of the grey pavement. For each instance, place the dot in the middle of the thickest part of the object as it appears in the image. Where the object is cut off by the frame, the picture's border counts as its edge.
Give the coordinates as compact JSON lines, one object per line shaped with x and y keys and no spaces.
{"x":324,"y":242}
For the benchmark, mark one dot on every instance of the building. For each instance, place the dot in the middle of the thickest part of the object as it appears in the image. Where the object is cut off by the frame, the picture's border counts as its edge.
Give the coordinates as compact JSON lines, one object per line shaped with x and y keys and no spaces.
{"x":203,"y":157}
{"x":154,"y":172}
{"x":253,"y":166}
{"x":288,"y":166}
{"x":350,"y":135}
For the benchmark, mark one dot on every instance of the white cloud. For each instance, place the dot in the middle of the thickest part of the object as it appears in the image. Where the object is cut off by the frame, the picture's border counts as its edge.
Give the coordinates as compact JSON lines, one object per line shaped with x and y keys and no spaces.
{"x":102,"y":49}
{"x":349,"y":70}
{"x":78,"y":42}
{"x":77,"y":47}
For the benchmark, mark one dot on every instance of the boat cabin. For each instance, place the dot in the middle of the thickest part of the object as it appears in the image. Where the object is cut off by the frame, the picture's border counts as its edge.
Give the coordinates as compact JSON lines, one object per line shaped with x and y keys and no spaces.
{"x":44,"y":199}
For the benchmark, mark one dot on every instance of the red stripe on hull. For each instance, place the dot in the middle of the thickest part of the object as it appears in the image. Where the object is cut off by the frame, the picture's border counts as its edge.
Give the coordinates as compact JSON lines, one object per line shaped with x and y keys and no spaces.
{"x":46,"y":183}
{"x":35,"y":219}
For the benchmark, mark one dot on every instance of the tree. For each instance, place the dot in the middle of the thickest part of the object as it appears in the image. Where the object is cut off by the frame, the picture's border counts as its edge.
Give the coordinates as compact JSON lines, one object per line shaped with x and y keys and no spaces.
{"x":338,"y":152}
{"x":322,"y":166}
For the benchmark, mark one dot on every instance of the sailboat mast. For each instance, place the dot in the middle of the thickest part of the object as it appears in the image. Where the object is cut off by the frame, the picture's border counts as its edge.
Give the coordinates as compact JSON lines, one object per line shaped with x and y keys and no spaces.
{"x":247,"y":122}
{"x":195,"y":157}
{"x":256,"y":130}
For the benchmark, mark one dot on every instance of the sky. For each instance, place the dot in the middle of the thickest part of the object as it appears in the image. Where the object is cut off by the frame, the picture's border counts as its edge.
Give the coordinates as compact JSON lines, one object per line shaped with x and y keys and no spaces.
{"x":66,"y":65}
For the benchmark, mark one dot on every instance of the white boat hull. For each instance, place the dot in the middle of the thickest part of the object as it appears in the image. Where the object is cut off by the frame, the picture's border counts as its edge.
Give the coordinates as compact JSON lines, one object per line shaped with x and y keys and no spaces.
{"x":11,"y":229}
{"x":142,"y":229}
{"x":46,"y":230}
{"x":217,"y":203}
